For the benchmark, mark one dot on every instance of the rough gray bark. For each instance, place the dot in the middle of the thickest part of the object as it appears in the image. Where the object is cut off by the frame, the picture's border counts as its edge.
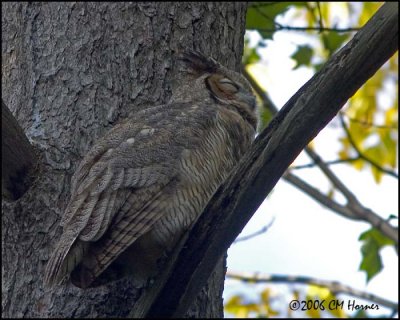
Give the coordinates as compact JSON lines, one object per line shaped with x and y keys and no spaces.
{"x":70,"y":71}
{"x":18,"y":157}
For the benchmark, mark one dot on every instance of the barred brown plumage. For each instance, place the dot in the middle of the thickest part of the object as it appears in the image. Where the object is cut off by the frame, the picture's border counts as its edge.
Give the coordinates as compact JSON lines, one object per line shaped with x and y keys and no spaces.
{"x":143,"y":184}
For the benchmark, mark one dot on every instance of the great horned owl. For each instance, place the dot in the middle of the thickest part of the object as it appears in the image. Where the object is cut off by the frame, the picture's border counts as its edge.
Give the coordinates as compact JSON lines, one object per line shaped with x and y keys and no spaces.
{"x":147,"y":180}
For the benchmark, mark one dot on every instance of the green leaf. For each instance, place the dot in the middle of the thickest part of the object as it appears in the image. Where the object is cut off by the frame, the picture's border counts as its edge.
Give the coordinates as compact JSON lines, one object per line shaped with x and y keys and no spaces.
{"x":360,"y":314}
{"x":250,"y":55}
{"x":371,"y":261}
{"x":318,"y":66}
{"x":265,"y":117}
{"x":376,"y":236}
{"x":261,"y":16}
{"x":302,"y":56}
{"x":333,"y":40}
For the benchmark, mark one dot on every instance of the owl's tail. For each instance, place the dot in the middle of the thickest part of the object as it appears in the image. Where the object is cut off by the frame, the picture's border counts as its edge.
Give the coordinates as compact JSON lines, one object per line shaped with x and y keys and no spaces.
{"x":66,"y":256}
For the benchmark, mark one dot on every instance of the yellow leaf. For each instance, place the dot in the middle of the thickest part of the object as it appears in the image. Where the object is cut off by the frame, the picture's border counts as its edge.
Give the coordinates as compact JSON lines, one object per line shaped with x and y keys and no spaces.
{"x":317,"y":294}
{"x":393,"y":62}
{"x":358,"y":164}
{"x":265,"y":295}
{"x":392,"y":117}
{"x":377,"y":174}
{"x":368,"y":10}
{"x":331,"y":193}
{"x":313,"y":313}
{"x":317,"y":291}
{"x":343,"y":154}
{"x":336,"y":312}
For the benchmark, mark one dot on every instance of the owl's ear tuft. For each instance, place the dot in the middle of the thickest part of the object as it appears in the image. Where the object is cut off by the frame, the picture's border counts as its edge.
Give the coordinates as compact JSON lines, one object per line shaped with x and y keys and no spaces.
{"x":197,"y":62}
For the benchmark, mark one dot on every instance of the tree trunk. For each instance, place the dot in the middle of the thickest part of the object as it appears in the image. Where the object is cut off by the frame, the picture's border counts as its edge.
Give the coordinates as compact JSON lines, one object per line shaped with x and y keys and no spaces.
{"x":70,"y":72}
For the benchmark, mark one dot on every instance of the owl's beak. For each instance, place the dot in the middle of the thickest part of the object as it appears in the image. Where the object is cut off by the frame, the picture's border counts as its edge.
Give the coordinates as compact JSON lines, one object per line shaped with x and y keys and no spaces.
{"x":249,"y":100}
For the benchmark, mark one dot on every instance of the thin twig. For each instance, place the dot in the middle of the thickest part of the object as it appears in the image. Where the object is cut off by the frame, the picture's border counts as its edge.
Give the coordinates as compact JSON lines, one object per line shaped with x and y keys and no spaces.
{"x":280,"y":27}
{"x":257,"y":233}
{"x":350,"y":197}
{"x":320,"y":20}
{"x":363,"y":156}
{"x":369,"y":124}
{"x":267,"y":17}
{"x":311,"y":9}
{"x":267,"y":102}
{"x":262,"y":4}
{"x":334,"y":286}
{"x":313,"y":164}
{"x":320,"y":197}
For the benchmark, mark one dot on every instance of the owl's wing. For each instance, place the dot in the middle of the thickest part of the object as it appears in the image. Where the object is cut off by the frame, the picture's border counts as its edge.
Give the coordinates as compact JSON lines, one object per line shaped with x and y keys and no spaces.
{"x":122,"y":234}
{"x":119,"y":182}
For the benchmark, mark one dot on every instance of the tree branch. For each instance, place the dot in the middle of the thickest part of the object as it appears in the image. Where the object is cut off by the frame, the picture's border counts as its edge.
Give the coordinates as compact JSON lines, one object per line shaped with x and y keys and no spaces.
{"x":361,"y":155}
{"x":18,"y":157}
{"x":320,"y":19}
{"x":297,"y":123}
{"x":313,"y":164}
{"x":334,"y":286}
{"x":350,"y":197}
{"x":280,"y":27}
{"x":369,"y":124}
{"x":319,"y":196}
{"x":255,"y":234}
{"x":363,"y":213}
{"x":360,"y":213}
{"x":311,"y":153}
{"x":352,"y":210}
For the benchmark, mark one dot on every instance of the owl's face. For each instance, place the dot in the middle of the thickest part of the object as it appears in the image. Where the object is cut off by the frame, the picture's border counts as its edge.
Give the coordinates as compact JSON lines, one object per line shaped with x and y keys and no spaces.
{"x":225,"y":86}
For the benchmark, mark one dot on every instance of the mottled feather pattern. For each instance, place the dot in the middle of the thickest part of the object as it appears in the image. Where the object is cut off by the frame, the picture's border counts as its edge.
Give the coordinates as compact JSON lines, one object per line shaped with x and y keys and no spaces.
{"x":129,"y":227}
{"x":147,"y":180}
